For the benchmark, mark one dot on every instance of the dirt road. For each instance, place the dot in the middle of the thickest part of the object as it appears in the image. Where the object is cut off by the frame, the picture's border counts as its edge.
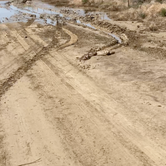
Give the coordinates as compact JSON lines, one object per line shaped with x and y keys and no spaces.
{"x":58,"y":111}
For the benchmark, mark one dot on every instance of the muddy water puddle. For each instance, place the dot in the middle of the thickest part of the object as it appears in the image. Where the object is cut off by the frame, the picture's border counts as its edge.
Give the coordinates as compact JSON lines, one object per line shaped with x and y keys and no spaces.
{"x":43,"y":8}
{"x":11,"y":13}
{"x":5,"y":13}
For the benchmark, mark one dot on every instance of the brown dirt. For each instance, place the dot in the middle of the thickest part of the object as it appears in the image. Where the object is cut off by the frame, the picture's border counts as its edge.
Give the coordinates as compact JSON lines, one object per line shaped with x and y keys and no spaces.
{"x":56,"y":110}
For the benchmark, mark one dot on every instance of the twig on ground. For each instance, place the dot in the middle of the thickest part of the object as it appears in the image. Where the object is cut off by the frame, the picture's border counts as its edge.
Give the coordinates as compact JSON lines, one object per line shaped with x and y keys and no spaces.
{"x":33,"y":162}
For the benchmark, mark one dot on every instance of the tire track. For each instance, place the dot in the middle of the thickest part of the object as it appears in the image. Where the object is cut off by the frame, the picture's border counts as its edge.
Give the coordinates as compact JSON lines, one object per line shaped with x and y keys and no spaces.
{"x":73,"y":39}
{"x":81,"y":132}
{"x":15,"y":55}
{"x":6,"y":84}
{"x":143,"y":148}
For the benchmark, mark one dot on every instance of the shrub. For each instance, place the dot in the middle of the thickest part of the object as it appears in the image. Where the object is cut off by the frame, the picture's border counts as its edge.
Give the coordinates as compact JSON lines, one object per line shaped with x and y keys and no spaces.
{"x":142,"y":15}
{"x":163,"y":12}
{"x":84,"y":1}
{"x":160,"y":1}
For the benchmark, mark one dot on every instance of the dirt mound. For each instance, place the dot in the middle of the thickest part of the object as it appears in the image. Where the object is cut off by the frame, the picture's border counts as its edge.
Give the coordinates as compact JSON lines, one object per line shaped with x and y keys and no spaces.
{"x":109,"y":26}
{"x":58,"y":2}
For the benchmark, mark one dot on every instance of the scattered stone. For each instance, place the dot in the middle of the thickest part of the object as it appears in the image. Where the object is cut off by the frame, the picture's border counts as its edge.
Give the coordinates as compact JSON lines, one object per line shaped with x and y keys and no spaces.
{"x":22,"y":1}
{"x":153,"y":27}
{"x":32,"y":15}
{"x":42,"y":16}
{"x":98,"y":52}
{"x":125,"y":39}
{"x":106,"y":53}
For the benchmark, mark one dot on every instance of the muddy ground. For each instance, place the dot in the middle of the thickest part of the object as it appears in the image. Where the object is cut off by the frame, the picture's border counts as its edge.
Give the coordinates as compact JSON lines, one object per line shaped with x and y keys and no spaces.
{"x":80,"y":90}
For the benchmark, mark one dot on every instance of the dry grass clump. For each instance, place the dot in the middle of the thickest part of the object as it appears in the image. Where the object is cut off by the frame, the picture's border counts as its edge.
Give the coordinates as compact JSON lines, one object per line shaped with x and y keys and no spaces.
{"x":142,"y":15}
{"x":163,"y":12}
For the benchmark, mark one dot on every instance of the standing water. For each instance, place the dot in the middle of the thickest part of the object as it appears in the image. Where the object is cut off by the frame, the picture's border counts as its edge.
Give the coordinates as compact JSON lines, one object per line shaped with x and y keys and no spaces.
{"x":7,"y":11}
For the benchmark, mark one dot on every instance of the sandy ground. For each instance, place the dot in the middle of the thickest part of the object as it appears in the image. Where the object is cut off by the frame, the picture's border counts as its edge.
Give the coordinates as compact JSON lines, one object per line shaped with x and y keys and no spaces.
{"x":58,"y":111}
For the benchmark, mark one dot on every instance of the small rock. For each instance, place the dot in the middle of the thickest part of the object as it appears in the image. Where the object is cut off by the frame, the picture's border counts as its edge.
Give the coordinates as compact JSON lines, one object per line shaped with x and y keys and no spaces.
{"x":42,"y":16}
{"x":149,"y":40}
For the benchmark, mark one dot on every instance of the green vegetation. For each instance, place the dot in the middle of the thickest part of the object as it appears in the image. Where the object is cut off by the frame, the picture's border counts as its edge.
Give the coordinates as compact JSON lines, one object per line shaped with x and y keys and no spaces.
{"x":84,"y":1}
{"x":160,"y":1}
{"x":142,"y":15}
{"x":163,"y":12}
